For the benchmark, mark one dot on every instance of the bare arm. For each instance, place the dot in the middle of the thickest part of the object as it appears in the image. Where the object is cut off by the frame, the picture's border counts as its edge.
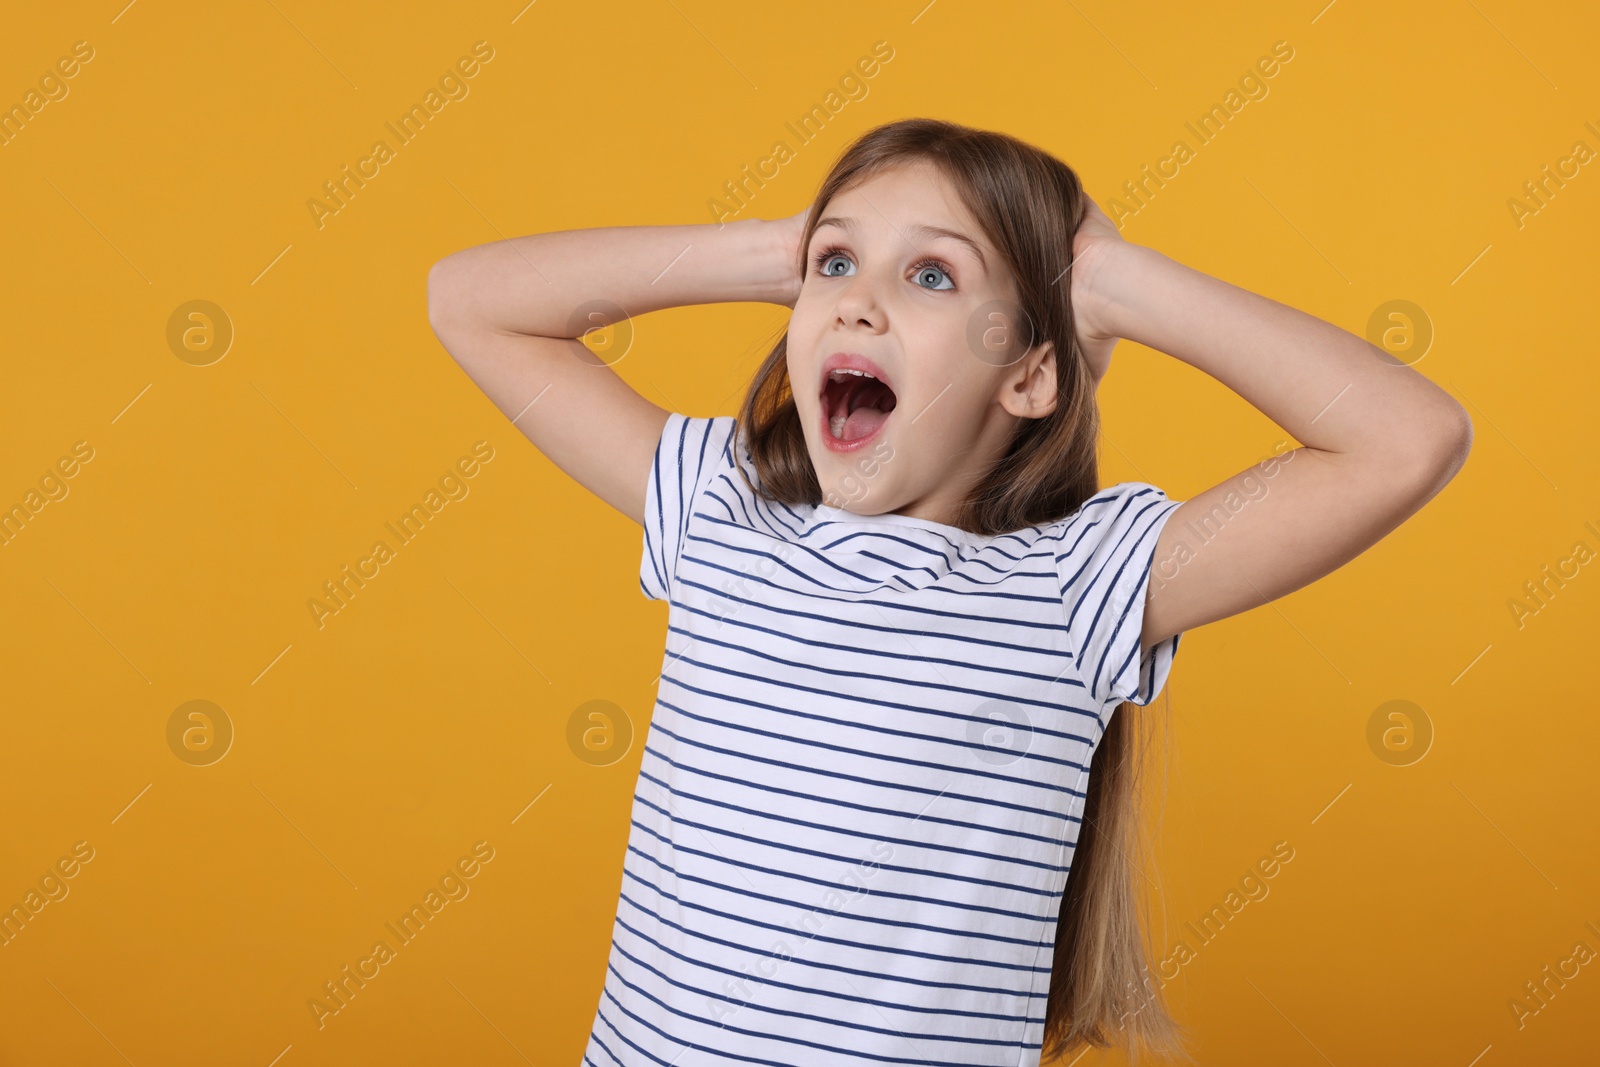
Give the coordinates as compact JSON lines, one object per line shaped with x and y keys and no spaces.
{"x":1379,"y":440}
{"x":510,"y":313}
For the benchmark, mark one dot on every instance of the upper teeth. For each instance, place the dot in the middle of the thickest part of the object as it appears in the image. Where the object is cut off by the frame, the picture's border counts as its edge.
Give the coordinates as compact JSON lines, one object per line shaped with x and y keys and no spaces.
{"x":850,"y":370}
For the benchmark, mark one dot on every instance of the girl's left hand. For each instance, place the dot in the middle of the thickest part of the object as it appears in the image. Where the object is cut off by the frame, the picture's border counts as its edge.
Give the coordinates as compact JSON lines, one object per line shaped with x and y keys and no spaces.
{"x":1092,"y":243}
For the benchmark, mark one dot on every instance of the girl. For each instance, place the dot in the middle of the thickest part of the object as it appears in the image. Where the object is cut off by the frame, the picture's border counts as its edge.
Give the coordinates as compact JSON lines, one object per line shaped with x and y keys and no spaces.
{"x":903,"y":614}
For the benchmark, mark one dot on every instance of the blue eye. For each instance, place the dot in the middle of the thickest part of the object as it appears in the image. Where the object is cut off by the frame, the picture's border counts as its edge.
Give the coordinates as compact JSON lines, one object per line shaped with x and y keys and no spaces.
{"x":822,"y":258}
{"x":938,"y":268}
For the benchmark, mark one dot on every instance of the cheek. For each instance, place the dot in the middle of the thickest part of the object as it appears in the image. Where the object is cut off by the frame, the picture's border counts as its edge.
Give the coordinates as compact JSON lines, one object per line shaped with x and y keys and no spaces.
{"x":797,"y":376}
{"x":801,"y":364}
{"x":942,"y":368}
{"x":951,"y":404}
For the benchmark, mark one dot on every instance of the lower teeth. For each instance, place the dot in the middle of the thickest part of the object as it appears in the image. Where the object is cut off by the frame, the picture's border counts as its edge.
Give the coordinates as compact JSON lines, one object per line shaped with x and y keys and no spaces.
{"x":836,"y":425}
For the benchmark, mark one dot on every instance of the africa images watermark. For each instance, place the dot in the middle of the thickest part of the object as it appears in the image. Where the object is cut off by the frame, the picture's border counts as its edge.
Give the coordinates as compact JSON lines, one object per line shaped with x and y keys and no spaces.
{"x":1538,"y":592}
{"x":338,"y":992}
{"x":1253,"y":888}
{"x":1252,"y":86}
{"x":1539,"y":191}
{"x":52,"y":888}
{"x":1541,"y":992}
{"x":52,"y":89}
{"x":53,"y":488}
{"x":452,"y":486}
{"x":1202,"y":530}
{"x":341,"y":190}
{"x":853,"y":86}
{"x":853,"y":487}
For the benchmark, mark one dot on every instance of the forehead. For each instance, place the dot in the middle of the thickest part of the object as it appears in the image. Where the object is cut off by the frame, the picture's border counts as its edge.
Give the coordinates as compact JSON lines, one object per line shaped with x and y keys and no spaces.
{"x":901,"y":198}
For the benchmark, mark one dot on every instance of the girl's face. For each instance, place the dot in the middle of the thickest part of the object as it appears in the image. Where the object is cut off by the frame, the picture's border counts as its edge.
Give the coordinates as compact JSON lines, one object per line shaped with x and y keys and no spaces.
{"x":931,"y":316}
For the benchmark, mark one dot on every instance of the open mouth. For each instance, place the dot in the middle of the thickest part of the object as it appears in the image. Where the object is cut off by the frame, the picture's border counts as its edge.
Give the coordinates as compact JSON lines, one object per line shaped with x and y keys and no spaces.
{"x":855,"y":405}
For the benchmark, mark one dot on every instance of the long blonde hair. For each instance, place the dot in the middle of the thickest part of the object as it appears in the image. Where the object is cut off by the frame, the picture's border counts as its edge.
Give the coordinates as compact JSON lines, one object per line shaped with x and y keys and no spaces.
{"x":1029,"y":204}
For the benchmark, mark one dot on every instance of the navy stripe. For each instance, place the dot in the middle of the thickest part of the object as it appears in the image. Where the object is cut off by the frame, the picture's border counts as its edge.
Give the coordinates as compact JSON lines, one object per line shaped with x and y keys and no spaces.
{"x":1019,"y":537}
{"x":814,"y":1018}
{"x":898,"y":605}
{"x":847,"y":538}
{"x":845,"y":941}
{"x":744,"y":506}
{"x":893,"y":630}
{"x":712,"y":828}
{"x":947,"y":768}
{"x":834,"y":673}
{"x":765,"y":788}
{"x":795,"y":876}
{"x":745,"y":976}
{"x":606,"y":992}
{"x":909,"y":842}
{"x":967,"y":798}
{"x":1111,"y":587}
{"x":903,"y":979}
{"x":735,"y":890}
{"x":721,"y":547}
{"x":722,"y":1051}
{"x":863,"y":650}
{"x":1034,"y":598}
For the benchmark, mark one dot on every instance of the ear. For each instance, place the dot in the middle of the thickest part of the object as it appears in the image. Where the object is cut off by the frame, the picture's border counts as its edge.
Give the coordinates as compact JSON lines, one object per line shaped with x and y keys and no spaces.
{"x":1029,"y":388}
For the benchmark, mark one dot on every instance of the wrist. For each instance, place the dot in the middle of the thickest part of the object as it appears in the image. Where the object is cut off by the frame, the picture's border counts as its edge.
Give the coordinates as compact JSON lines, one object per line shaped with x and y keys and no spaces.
{"x":764,"y":250}
{"x":1115,"y":279}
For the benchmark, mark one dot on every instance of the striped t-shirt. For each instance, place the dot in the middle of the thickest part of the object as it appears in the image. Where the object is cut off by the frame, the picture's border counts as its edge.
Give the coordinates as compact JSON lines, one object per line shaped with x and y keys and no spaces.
{"x":865,"y":771}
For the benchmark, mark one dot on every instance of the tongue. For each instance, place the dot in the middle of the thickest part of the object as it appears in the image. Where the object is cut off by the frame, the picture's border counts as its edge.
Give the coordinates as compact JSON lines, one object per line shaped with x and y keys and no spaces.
{"x":862,"y":422}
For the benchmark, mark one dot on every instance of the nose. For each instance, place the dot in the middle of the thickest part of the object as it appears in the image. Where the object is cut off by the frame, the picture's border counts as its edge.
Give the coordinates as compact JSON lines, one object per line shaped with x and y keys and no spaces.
{"x":859,"y":303}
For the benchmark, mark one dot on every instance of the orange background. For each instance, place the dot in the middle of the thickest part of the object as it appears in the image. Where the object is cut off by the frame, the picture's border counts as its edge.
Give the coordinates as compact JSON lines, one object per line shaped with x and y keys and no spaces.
{"x":371,"y":753}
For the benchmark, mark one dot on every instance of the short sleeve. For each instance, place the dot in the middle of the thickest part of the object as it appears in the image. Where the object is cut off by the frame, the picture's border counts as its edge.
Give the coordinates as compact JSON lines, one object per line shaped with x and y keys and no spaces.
{"x":689,"y":452}
{"x":1105,"y":559}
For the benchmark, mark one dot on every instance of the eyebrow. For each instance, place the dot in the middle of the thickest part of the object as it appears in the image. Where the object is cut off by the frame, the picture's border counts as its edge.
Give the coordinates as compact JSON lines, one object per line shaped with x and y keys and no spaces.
{"x":849,"y":226}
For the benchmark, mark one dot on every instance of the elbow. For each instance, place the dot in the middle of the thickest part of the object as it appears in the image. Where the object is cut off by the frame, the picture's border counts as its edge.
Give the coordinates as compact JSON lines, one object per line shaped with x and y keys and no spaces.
{"x":447,"y":314}
{"x":1445,"y":440}
{"x":438,"y":288}
{"x":1454,"y":439}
